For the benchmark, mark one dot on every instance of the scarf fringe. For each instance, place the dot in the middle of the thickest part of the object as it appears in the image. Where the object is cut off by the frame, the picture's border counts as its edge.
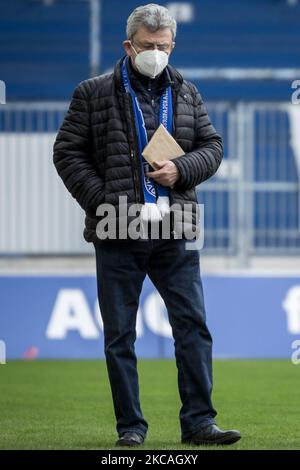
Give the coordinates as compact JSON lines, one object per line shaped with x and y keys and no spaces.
{"x":150,"y":212}
{"x":163,"y":205}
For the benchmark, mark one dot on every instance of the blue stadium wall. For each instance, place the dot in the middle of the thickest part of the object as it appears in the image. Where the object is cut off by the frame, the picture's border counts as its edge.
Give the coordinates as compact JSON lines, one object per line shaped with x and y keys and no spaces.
{"x":44,"y":46}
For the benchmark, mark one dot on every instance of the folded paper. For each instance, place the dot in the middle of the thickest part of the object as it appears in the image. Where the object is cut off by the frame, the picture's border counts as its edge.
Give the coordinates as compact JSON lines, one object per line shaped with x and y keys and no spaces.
{"x":162,"y":146}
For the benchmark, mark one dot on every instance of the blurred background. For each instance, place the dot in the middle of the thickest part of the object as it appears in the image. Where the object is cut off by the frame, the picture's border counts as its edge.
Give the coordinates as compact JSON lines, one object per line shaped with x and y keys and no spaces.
{"x":244,"y":57}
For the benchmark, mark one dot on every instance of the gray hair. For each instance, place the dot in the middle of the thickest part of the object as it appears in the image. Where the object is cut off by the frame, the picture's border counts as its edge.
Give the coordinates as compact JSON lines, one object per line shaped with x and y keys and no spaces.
{"x":153,"y":17}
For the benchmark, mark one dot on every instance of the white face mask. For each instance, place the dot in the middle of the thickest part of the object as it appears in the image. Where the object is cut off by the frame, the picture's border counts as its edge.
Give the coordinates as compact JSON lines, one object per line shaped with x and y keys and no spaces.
{"x":151,"y":63}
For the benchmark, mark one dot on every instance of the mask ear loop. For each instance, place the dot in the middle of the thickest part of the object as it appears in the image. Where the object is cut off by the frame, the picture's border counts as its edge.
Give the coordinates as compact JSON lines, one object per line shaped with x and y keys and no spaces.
{"x":133,"y":48}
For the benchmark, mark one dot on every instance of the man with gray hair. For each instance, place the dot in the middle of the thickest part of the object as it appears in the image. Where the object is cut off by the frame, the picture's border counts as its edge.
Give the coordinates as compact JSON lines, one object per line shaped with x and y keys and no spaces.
{"x":98,"y":154}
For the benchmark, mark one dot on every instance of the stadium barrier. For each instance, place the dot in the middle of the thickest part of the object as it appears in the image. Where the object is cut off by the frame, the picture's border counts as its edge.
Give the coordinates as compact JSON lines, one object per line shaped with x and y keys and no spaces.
{"x":251,"y":204}
{"x":58,"y":317}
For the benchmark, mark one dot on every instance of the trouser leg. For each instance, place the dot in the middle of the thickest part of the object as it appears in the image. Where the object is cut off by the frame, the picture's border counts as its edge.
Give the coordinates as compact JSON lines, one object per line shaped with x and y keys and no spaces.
{"x":120,"y":275}
{"x":175,"y":272}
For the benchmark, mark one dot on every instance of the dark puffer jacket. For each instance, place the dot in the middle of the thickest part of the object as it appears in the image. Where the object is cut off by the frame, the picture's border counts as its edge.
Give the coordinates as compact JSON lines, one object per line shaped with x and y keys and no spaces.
{"x":96,"y":153}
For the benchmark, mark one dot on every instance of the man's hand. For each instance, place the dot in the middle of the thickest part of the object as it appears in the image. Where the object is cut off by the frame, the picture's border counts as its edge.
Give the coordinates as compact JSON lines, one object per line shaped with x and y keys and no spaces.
{"x":166,"y":173}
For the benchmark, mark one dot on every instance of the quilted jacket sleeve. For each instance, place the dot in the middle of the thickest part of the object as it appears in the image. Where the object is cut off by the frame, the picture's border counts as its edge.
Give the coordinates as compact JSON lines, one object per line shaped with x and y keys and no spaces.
{"x":201,"y":163}
{"x":71,"y":153}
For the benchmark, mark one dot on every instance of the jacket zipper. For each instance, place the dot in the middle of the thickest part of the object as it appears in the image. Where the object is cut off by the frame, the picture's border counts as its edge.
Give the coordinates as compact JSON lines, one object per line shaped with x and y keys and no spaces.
{"x":136,"y":163}
{"x":136,"y":185}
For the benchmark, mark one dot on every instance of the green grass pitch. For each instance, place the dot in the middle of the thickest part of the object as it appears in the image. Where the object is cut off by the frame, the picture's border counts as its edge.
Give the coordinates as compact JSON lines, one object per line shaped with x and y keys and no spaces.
{"x":68,"y":405}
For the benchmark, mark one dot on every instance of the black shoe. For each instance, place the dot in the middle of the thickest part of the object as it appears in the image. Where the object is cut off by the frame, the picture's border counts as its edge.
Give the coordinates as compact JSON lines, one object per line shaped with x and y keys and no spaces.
{"x":212,"y":435}
{"x":130,"y":438}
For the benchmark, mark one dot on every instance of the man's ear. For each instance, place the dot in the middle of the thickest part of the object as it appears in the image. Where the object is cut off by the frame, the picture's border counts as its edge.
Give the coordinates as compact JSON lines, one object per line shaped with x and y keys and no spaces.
{"x":126,"y":45}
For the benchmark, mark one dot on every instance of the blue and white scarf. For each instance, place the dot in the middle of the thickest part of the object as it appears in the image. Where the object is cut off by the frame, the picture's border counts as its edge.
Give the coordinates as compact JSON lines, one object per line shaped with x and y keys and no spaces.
{"x":156,"y":196}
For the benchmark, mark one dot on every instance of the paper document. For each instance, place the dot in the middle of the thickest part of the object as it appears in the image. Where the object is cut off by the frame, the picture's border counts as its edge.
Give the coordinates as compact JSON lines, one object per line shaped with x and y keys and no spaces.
{"x":162,"y":146}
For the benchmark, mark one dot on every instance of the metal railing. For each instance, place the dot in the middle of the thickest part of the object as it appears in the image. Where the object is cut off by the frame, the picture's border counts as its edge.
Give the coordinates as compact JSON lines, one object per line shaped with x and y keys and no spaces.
{"x":251,"y":204}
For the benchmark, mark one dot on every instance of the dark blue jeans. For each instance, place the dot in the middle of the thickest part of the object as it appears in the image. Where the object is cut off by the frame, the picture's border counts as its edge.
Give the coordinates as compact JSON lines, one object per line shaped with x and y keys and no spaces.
{"x":121,"y":268}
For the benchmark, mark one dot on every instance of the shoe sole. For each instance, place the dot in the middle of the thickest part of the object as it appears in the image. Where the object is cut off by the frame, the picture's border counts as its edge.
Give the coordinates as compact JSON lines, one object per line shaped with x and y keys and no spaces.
{"x":225,"y":440}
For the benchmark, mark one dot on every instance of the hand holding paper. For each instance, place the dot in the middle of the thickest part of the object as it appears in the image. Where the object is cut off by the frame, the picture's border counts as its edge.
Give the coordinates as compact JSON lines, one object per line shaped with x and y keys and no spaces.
{"x":166,"y":173}
{"x":159,"y":153}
